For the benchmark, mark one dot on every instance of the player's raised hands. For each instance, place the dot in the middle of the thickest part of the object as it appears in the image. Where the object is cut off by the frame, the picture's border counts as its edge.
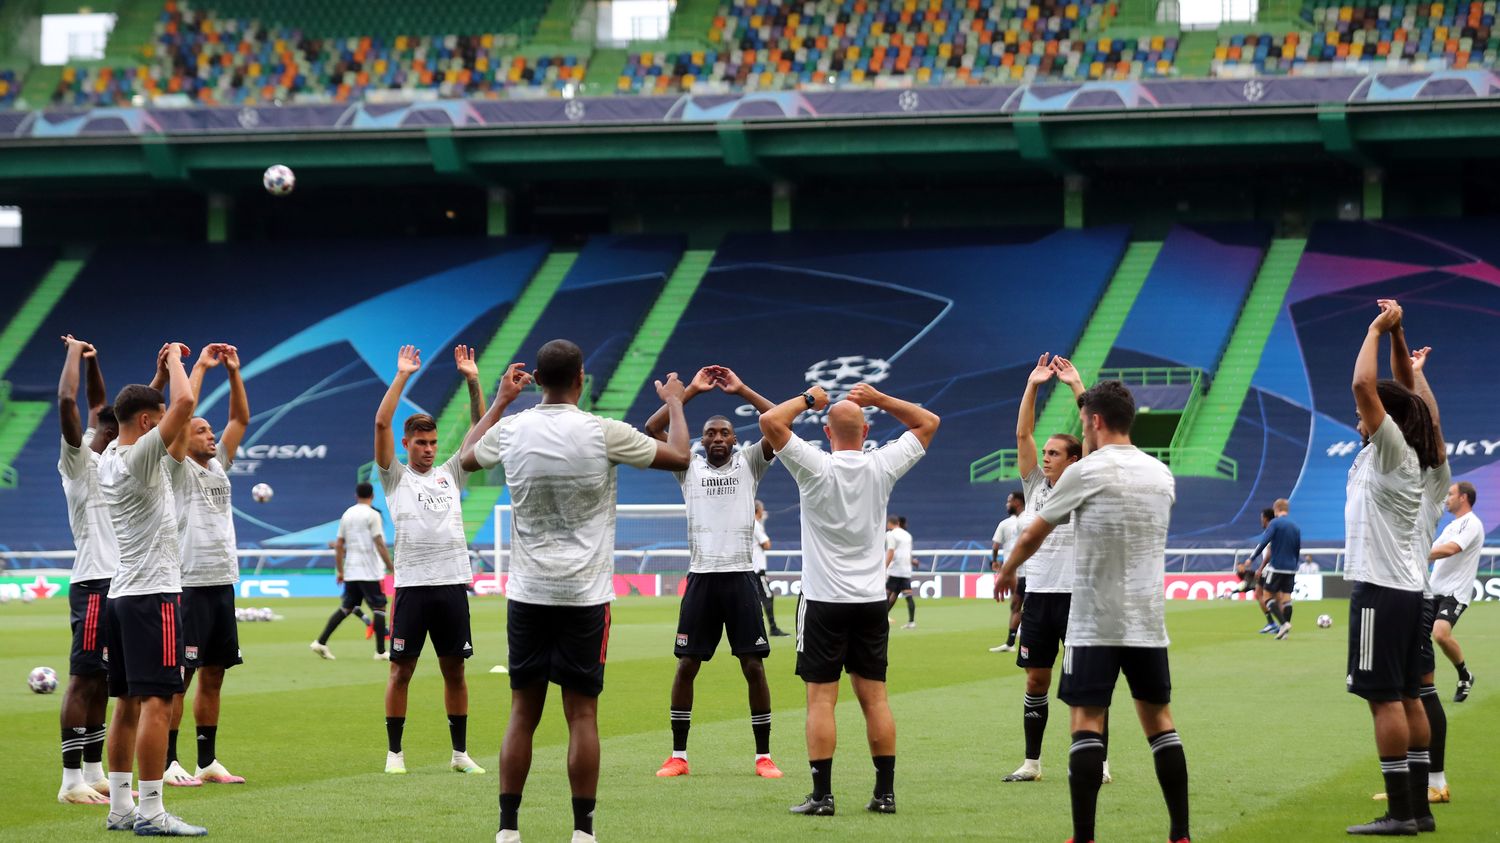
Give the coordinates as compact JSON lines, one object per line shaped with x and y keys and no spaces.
{"x":84,"y":349}
{"x":705,"y":380}
{"x":1066,"y":372}
{"x":231,"y":357}
{"x":515,"y":379}
{"x":864,"y":395}
{"x":1419,"y":358}
{"x":728,"y":380}
{"x":408,"y":360}
{"x":179,"y":349}
{"x":463,"y":358}
{"x":820,"y":397}
{"x":1389,"y":318}
{"x":1043,"y":371}
{"x":212,"y":355}
{"x":671,"y":390}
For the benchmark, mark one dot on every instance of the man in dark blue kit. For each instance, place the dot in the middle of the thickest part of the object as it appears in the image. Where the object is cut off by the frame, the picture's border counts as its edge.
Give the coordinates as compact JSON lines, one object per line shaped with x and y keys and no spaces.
{"x":1279,"y":573}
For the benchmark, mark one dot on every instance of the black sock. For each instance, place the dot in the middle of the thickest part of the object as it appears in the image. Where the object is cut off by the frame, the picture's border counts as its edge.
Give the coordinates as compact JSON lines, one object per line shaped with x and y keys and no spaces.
{"x":760,"y":725}
{"x":885,"y":775}
{"x":1275,"y":612}
{"x":1437,"y":720}
{"x":333,"y":623}
{"x":1085,"y":775}
{"x":911,"y":609}
{"x":458,"y":731}
{"x":510,"y":807}
{"x":93,"y":743}
{"x":1172,"y":774}
{"x":583,"y":814}
{"x":1034,"y":724}
{"x":171,"y":746}
{"x":1287,"y":613}
{"x":1010,"y":638}
{"x":1269,"y":619}
{"x":206,"y":737}
{"x":394,"y":726}
{"x":1463,"y":670}
{"x":822,"y":775}
{"x":1397,"y":786}
{"x":1418,"y":762}
{"x":73,"y":738}
{"x":682,"y":722}
{"x":361,"y":615}
{"x":770,"y":603}
{"x":379,"y":630}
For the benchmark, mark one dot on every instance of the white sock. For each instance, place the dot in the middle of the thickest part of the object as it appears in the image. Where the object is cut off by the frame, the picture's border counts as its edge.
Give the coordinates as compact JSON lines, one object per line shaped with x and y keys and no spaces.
{"x":72,"y":778}
{"x":1438,"y":779}
{"x":151,"y":805}
{"x":1032,"y":764}
{"x":759,"y":755}
{"x":93,"y":771}
{"x":680,"y":754}
{"x":119,"y":793}
{"x":459,"y":753}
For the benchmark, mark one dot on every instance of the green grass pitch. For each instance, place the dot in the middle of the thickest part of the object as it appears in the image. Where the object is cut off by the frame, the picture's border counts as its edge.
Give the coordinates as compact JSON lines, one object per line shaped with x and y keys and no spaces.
{"x":1276,"y":749}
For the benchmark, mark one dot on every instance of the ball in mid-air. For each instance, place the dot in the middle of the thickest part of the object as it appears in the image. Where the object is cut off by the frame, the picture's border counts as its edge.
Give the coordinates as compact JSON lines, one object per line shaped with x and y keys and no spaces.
{"x":261,"y":492}
{"x":1324,"y":621}
{"x":279,"y":180}
{"x":43,"y":680}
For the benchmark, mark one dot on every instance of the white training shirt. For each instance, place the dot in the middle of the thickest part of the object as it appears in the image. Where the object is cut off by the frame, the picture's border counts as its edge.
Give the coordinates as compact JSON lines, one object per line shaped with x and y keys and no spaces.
{"x":1006,"y":533}
{"x":721,"y":510}
{"x":205,"y":525}
{"x":359,"y":526}
{"x":1381,"y":513}
{"x":758,"y":552}
{"x":1454,"y":575}
{"x":1119,"y":500}
{"x":844,"y":497}
{"x":898,"y":540}
{"x":137,"y":486}
{"x":88,"y":514}
{"x":560,"y":466}
{"x":430,"y":544}
{"x":1052,"y":565}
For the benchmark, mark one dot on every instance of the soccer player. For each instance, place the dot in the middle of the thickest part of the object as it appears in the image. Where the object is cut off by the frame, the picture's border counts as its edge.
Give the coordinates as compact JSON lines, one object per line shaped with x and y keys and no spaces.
{"x":145,"y":645}
{"x":758,"y":561}
{"x":84,"y":702}
{"x":1044,"y":613}
{"x":361,"y":560}
{"x":1455,"y":561}
{"x":844,"y":496}
{"x":1000,"y":546}
{"x":431,"y":560}
{"x":1119,"y":501}
{"x":723,"y":594}
{"x":898,"y":565}
{"x":210,"y":568}
{"x":1279,"y":572}
{"x":560,"y":466}
{"x":1386,"y":606}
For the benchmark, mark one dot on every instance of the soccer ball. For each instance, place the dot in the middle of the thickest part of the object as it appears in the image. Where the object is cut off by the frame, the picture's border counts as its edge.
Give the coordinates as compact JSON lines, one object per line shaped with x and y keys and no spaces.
{"x":279,"y":180}
{"x":1324,"y":621}
{"x":261,"y":492}
{"x":43,"y":680}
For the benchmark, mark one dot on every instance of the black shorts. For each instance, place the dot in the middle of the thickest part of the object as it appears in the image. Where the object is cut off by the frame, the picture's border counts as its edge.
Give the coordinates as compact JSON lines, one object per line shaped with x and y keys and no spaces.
{"x":1044,"y":627}
{"x":1429,"y":614}
{"x":1385,"y":642}
{"x":1445,"y":607}
{"x":145,"y":646}
{"x":1280,"y":583}
{"x":88,"y":604}
{"x":765,"y":586}
{"x":368,"y":591}
{"x":437,"y":611}
{"x":1090,"y":673}
{"x":1018,"y":597}
{"x":208,"y":627}
{"x":896,"y":585}
{"x":835,"y":637}
{"x":713,"y":604}
{"x":562,"y":644}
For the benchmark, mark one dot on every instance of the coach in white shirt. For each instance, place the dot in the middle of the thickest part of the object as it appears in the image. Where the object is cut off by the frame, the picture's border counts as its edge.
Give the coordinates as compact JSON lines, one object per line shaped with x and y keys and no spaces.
{"x":841,"y":618}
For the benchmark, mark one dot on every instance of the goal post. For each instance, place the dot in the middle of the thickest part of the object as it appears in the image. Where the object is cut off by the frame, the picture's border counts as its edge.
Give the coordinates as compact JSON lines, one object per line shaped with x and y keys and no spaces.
{"x":649,"y":538}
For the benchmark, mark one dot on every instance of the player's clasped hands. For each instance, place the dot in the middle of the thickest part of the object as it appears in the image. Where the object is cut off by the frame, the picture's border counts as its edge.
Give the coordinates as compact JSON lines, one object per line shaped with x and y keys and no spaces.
{"x":515,"y":379}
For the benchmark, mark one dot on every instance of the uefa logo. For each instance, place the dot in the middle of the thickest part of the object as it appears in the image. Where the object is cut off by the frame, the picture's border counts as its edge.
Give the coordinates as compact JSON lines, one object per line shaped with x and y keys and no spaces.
{"x":841,"y":374}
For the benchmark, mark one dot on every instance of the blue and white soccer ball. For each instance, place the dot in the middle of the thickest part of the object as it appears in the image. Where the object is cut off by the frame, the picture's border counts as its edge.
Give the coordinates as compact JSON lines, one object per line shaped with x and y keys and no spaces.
{"x":279,"y":180}
{"x":1324,"y":621}
{"x":261,"y":492}
{"x":43,"y":680}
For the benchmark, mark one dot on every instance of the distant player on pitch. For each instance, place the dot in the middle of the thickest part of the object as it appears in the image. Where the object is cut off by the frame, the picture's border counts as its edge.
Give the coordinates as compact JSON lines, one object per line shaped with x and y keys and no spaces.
{"x":723,"y":592}
{"x":432,"y":560}
{"x":560,"y":464}
{"x":758,"y":560}
{"x":1001,"y":545}
{"x":1119,"y":501}
{"x":1279,"y":571}
{"x":898,"y":568}
{"x":842,"y":624}
{"x":360,"y":561}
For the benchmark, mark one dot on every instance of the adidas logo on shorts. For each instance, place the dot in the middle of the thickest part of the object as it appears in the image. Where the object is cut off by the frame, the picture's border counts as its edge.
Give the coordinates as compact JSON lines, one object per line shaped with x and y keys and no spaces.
{"x":759,"y":641}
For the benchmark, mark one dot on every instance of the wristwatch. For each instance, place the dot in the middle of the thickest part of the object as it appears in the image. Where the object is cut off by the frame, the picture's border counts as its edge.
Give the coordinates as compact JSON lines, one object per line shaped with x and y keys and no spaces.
{"x":811,"y":401}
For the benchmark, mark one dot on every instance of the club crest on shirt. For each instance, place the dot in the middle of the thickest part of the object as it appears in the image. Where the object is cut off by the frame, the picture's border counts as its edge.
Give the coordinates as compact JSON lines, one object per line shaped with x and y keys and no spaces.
{"x":442,"y":482}
{"x":398,"y":644}
{"x":682,"y":640}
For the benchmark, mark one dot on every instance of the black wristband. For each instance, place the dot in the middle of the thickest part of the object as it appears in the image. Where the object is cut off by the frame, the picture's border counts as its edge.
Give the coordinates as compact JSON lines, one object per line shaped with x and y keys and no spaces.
{"x":811,"y":401}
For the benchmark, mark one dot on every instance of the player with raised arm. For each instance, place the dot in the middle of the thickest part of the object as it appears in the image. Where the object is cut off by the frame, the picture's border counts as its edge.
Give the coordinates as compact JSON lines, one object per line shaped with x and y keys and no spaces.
{"x":1119,"y":501}
{"x":758,"y":561}
{"x":431,"y":560}
{"x":1382,"y":532}
{"x":145,"y":647}
{"x":841,"y":615}
{"x":1044,"y":614}
{"x":898,"y":567}
{"x":723,"y":593}
{"x":210,"y":569}
{"x":1283,"y":538}
{"x":360,"y":561}
{"x":84,"y":703}
{"x":1001,"y":544}
{"x":560,"y":464}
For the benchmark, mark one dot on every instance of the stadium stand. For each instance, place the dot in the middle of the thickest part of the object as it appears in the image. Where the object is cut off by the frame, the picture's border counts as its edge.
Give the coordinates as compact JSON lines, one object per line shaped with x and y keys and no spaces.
{"x":10,"y":87}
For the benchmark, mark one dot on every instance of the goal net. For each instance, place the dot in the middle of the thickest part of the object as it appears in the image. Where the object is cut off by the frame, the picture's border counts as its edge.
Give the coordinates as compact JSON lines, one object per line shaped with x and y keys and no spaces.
{"x":649,"y":538}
